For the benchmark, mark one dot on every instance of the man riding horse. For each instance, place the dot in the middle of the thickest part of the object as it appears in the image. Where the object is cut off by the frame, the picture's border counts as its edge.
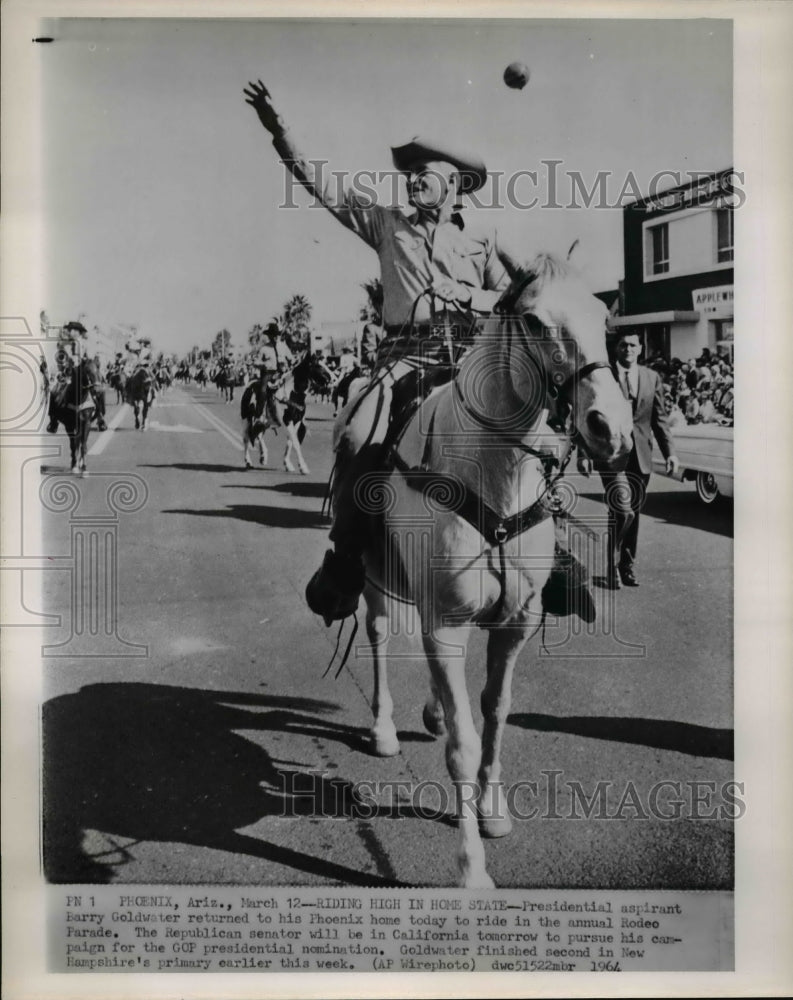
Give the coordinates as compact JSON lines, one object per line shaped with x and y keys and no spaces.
{"x":73,"y":395}
{"x":440,"y":272}
{"x":141,"y":386}
{"x":73,"y":365}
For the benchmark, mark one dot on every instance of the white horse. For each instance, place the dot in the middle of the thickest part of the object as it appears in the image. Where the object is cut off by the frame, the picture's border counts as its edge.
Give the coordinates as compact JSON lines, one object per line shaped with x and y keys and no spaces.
{"x":462,"y":522}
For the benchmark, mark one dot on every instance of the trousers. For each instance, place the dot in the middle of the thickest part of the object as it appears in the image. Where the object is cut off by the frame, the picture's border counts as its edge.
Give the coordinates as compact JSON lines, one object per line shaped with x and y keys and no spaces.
{"x":625,"y":493}
{"x":357,"y":445}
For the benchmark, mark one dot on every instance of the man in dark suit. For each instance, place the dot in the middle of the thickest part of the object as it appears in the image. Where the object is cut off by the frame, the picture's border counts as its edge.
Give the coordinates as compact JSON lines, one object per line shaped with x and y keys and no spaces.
{"x":625,"y":489}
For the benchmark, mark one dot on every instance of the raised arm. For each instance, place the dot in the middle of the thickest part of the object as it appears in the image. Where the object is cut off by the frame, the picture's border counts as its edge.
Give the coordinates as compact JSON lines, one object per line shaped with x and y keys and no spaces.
{"x":351,"y":209}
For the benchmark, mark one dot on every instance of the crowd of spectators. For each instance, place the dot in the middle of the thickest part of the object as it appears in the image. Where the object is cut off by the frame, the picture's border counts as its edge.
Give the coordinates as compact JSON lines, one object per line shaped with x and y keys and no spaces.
{"x":697,"y":391}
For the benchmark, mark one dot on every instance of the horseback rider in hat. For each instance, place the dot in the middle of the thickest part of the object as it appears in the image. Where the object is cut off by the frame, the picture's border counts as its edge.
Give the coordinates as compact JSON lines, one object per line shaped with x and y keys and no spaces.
{"x":72,"y":362}
{"x":439,"y":273}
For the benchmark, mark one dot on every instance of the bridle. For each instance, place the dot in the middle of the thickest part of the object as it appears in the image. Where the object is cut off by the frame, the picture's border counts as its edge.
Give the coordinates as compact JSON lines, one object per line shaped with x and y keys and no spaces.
{"x":562,"y":391}
{"x":507,"y":305}
{"x":450,"y":492}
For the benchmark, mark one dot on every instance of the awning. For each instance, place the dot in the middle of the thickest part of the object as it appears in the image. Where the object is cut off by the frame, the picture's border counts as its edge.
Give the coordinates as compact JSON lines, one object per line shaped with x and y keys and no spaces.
{"x":647,"y":319}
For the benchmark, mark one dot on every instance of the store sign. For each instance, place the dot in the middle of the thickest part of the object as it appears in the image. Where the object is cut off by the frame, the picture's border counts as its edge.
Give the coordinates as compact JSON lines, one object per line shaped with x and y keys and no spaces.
{"x":715,"y":303}
{"x":712,"y":192}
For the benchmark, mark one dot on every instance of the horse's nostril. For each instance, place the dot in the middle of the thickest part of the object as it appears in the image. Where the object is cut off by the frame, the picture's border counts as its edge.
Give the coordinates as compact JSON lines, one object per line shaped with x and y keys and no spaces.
{"x":597,"y":424}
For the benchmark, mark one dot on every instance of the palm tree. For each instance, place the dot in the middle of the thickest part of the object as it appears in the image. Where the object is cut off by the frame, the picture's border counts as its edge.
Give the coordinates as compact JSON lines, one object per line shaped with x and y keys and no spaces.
{"x":372,"y":311}
{"x":255,"y":336}
{"x":294,"y":322}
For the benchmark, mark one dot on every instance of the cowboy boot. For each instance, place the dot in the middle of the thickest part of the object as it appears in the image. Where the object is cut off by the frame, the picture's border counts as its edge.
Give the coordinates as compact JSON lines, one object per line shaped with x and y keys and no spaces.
{"x":334,"y":590}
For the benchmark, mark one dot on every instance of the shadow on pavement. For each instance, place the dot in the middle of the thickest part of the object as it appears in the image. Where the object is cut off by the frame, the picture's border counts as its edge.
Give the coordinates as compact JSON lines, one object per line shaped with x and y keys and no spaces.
{"x":681,"y":737}
{"x":157,"y":763}
{"x":685,"y":509}
{"x":271,"y":517}
{"x":196,"y":467}
{"x":301,"y":488}
{"x":682,"y":507}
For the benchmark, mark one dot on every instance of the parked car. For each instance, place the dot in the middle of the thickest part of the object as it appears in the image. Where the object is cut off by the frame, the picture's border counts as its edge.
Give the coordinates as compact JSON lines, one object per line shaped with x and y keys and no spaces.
{"x":705,"y":453}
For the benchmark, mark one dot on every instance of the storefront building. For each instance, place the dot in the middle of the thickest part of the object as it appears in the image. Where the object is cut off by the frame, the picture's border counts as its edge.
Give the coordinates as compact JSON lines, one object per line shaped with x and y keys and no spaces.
{"x":678,"y":288}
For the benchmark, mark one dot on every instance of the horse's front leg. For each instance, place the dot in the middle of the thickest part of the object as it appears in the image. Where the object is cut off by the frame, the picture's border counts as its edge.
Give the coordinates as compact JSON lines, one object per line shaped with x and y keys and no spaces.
{"x":246,"y":441}
{"x":434,"y":719}
{"x":503,"y":647}
{"x":288,"y":450}
{"x":445,"y":649}
{"x":74,"y":447}
{"x":84,"y":432}
{"x":384,"y":735}
{"x":262,"y":450}
{"x":294,"y":430}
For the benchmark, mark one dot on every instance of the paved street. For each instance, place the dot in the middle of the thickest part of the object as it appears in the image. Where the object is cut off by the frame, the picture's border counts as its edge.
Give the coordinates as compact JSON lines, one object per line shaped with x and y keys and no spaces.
{"x":224,"y":755}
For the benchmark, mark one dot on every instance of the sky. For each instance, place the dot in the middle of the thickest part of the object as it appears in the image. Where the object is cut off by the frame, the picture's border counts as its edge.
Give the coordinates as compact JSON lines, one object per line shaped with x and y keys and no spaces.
{"x":162,"y":190}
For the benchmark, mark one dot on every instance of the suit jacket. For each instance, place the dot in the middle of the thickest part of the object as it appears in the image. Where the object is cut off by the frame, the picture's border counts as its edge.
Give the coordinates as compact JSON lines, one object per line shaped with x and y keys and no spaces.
{"x":649,"y":420}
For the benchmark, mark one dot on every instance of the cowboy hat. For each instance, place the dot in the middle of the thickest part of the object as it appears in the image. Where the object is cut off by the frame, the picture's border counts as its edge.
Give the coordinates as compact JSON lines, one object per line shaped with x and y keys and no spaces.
{"x":420,"y":150}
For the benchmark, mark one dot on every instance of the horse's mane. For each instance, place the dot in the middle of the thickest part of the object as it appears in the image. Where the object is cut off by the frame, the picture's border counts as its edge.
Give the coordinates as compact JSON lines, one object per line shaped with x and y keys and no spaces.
{"x":537,"y":273}
{"x":544,"y":268}
{"x":548,"y":265}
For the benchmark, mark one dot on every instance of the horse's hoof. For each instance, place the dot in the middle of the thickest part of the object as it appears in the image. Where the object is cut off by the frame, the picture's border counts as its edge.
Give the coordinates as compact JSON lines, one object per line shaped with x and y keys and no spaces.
{"x":493,"y":827}
{"x":481,"y":880}
{"x":435,"y":724}
{"x":385,"y":746}
{"x":304,"y":470}
{"x":248,"y":466}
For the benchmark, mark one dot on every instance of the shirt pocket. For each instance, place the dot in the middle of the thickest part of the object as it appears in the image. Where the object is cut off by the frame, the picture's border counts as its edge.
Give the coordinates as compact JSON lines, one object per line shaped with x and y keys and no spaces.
{"x":469,"y":263}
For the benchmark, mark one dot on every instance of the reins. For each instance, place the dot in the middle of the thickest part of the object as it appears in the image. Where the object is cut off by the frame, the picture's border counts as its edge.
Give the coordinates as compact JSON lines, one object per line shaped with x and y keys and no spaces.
{"x":451,"y":493}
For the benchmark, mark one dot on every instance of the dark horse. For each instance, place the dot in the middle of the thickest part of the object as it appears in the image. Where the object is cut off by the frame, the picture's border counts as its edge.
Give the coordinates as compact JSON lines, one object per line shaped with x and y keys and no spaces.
{"x":225,"y":380}
{"x":141,"y":389}
{"x":164,"y":377}
{"x":73,"y":404}
{"x":117,"y":380}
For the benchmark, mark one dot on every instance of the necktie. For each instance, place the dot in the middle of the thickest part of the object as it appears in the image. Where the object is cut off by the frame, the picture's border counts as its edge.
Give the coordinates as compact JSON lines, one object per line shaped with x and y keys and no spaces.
{"x":629,"y":388}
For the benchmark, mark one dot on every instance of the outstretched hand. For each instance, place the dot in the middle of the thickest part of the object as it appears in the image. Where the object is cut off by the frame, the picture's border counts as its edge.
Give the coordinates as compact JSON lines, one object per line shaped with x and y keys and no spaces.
{"x":258,"y":96}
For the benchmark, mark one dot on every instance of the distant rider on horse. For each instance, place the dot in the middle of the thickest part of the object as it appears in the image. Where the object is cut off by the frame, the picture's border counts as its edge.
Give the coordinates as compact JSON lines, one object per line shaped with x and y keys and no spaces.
{"x":72,"y":362}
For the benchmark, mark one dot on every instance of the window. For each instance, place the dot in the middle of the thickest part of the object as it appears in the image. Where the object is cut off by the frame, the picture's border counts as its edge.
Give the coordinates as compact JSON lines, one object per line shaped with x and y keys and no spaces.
{"x":660,"y":248}
{"x":724,"y":248}
{"x":656,"y":342}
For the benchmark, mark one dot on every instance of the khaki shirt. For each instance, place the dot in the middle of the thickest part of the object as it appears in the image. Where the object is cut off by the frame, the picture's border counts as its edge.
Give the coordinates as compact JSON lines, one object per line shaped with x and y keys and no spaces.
{"x":268,"y":356}
{"x":413,"y":254}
